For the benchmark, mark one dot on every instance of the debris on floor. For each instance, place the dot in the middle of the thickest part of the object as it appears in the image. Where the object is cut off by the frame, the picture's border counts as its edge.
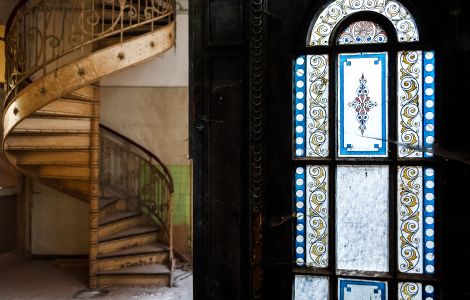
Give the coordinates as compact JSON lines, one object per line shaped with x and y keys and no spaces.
{"x":50,"y":279}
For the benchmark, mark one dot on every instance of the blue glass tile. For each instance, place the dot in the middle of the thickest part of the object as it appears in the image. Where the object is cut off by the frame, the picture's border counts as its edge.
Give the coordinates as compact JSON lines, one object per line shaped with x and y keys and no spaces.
{"x":429,"y":220}
{"x":428,"y":101}
{"x":299,"y":106}
{"x":300,"y":214}
{"x":429,"y":292}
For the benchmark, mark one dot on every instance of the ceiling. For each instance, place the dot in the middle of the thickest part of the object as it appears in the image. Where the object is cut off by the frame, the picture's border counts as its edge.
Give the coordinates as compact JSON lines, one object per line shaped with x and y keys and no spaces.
{"x":6,"y":6}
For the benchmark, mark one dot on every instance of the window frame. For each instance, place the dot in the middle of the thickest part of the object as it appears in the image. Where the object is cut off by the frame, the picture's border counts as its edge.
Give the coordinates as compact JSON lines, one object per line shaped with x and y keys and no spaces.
{"x":332,"y":161}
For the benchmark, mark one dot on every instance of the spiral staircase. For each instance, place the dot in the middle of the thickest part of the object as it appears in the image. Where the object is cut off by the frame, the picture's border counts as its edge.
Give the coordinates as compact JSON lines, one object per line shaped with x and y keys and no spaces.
{"x":57,"y":51}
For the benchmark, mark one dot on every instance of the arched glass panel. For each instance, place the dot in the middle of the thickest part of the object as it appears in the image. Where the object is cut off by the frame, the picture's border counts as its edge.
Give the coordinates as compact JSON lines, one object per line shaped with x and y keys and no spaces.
{"x":336,"y":11}
{"x":362,"y":32}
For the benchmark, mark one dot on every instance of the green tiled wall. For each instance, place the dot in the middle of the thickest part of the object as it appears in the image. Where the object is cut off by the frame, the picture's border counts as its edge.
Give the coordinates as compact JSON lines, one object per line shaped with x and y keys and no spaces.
{"x":182,"y":198}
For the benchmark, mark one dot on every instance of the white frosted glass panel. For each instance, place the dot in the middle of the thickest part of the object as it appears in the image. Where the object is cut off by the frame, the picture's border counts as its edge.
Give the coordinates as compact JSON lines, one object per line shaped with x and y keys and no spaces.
{"x":410,"y":219}
{"x":310,"y":288}
{"x":410,"y":291}
{"x":362,"y":211}
{"x":317,"y":105}
{"x":362,"y":105}
{"x":410,"y":103}
{"x":317,"y":216}
{"x":351,"y":289}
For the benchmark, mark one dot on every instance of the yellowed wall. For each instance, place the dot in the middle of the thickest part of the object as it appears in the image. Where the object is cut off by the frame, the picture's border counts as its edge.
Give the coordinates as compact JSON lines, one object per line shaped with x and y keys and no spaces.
{"x":156,"y":117}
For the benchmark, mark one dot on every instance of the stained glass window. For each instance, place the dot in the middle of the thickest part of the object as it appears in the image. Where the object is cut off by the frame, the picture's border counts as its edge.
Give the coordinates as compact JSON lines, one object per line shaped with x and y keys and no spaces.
{"x":364,"y":177}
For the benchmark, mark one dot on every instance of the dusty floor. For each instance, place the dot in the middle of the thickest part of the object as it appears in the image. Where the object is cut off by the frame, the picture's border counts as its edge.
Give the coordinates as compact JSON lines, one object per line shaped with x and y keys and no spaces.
{"x":44,"y":279}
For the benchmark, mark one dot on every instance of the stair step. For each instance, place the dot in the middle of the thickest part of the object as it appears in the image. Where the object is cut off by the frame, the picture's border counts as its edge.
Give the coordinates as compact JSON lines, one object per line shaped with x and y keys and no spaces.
{"x":131,"y":232}
{"x":69,"y":185}
{"x":134,"y":237}
{"x":144,"y":255}
{"x":119,"y":217}
{"x":155,"y":275}
{"x":53,"y":125}
{"x":119,"y":222}
{"x":145,"y":249}
{"x":48,"y":142}
{"x":139,"y":270}
{"x":110,"y":206}
{"x":68,"y":172}
{"x":86,"y":93}
{"x":53,"y":158}
{"x":107,"y":201}
{"x":67,"y":108}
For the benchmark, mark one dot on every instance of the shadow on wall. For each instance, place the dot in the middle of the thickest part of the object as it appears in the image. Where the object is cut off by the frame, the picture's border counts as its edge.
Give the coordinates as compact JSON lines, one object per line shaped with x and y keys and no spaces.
{"x":7,"y":223}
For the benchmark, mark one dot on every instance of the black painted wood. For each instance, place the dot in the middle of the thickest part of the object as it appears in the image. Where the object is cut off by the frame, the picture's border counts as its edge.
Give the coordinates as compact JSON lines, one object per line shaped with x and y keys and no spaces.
{"x":218,"y":134}
{"x":219,"y":78}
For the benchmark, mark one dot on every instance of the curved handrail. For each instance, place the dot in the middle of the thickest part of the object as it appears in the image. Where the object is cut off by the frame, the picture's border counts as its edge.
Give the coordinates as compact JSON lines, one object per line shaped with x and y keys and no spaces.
{"x":146,"y":151}
{"x":42,"y":33}
{"x":132,"y":171}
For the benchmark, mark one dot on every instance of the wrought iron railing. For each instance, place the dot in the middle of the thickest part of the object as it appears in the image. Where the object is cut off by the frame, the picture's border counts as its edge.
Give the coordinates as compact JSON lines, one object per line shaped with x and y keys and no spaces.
{"x":44,"y":34}
{"x":133,"y":172}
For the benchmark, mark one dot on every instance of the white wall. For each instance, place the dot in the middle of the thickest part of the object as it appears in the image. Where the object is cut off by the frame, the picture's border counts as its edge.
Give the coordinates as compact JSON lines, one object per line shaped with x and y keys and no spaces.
{"x":59,"y":223}
{"x":155,"y":117}
{"x":169,"y":69}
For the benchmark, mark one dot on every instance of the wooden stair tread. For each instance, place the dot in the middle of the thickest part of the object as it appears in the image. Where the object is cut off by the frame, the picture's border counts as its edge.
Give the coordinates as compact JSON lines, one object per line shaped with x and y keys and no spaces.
{"x":136,"y":231}
{"x":151,"y":269}
{"x":118,"y":217}
{"x":66,"y":108}
{"x":105,"y":201}
{"x":64,"y":157}
{"x":145,"y":249}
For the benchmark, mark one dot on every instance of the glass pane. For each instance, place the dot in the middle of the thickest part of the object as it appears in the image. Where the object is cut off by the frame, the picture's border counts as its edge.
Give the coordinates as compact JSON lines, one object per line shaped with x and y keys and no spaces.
{"x":300,"y":214}
{"x":410,"y":219}
{"x":362,"y":105}
{"x":317,"y":106}
{"x":415,"y":291}
{"x":416,"y":103}
{"x":317,"y":216}
{"x":415,"y":220}
{"x":410,"y":291}
{"x":410,"y":123}
{"x":429,"y":206}
{"x":311,"y":202}
{"x":363,"y":32}
{"x":311,"y":288}
{"x":362,"y":218}
{"x":299,"y":105}
{"x":349,"y":289}
{"x":311,"y":106}
{"x":429,"y":101}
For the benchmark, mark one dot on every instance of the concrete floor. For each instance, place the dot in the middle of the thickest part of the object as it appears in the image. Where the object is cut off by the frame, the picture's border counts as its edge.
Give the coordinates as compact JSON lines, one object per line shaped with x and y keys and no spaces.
{"x":64,"y":279}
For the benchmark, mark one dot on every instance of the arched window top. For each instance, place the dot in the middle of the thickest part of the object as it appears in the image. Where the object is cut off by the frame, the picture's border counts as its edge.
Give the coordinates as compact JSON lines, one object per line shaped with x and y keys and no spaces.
{"x":336,"y":11}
